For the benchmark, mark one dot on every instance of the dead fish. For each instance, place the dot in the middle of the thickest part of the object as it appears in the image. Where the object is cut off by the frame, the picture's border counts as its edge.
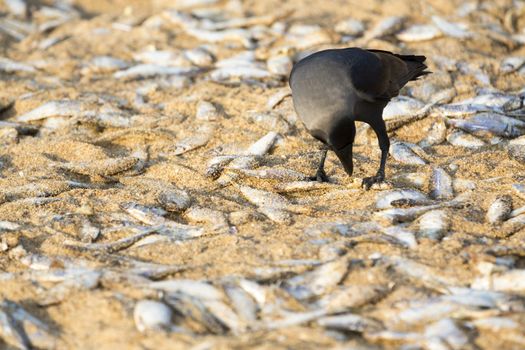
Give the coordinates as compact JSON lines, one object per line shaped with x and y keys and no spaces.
{"x":303,"y":36}
{"x":23,"y":330}
{"x":462,"y":139}
{"x":399,"y":215}
{"x":302,"y":186}
{"x":401,"y":152}
{"x":441,"y":184}
{"x":350,"y":26}
{"x":225,"y":315}
{"x":144,"y":214}
{"x":243,"y":72}
{"x":103,"y":167}
{"x":403,"y":235}
{"x":500,"y":209}
{"x":454,"y":30}
{"x":201,"y":137}
{"x":199,"y":56}
{"x":107,"y":64}
{"x":436,"y":134}
{"x":112,"y":246}
{"x":493,"y":123}
{"x":280,"y":65}
{"x":277,"y":98}
{"x":151,"y":315}
{"x":214,"y":218}
{"x":511,"y":64}
{"x":385,"y":27}
{"x":242,"y":36}
{"x":89,"y":232}
{"x":317,"y":282}
{"x":52,"y":109}
{"x":197,"y":289}
{"x":498,"y":101}
{"x":174,"y":200}
{"x":417,"y":180}
{"x":421,"y":32}
{"x":10,"y":66}
{"x":351,"y":323}
{"x":519,"y":190}
{"x":434,"y":224}
{"x":512,"y":281}
{"x":206,"y":111}
{"x":512,"y":226}
{"x":216,"y":165}
{"x":397,"y":198}
{"x":144,"y":71}
{"x":17,"y":7}
{"x":294,"y":319}
{"x":243,"y":303}
{"x":44,"y":188}
{"x":401,"y":106}
{"x":274,"y":174}
{"x":273,"y":205}
{"x":445,"y":333}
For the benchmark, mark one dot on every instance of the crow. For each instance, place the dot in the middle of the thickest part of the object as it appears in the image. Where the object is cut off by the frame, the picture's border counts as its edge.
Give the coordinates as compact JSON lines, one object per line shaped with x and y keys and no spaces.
{"x":332,"y":89}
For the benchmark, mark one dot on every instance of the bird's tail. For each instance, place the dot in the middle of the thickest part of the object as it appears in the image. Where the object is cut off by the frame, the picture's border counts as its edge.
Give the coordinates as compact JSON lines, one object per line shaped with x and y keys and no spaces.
{"x":416,"y":67}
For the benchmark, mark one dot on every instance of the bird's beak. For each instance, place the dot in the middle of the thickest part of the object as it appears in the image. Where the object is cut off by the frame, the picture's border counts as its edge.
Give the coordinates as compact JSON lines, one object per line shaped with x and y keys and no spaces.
{"x":345,"y":156}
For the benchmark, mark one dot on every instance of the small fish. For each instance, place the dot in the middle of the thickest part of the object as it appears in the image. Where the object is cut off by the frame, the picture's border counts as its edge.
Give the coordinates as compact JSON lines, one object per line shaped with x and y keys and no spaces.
{"x":174,"y":200}
{"x":151,"y":315}
{"x":280,"y":65}
{"x":242,"y":36}
{"x":214,"y":218}
{"x":274,"y":174}
{"x":493,"y":123}
{"x":144,"y":71}
{"x":441,"y":184}
{"x":397,"y":198}
{"x":433,"y":224}
{"x":404,"y":236}
{"x":385,"y":27}
{"x":455,"y":30}
{"x":277,"y":98}
{"x":421,"y":32}
{"x":243,"y":303}
{"x":512,"y":226}
{"x":401,"y":152}
{"x":197,"y":289}
{"x":511,"y":64}
{"x":206,"y":111}
{"x":52,"y":109}
{"x":201,"y":137}
{"x":303,"y":36}
{"x":317,"y":282}
{"x":512,"y":281}
{"x":302,"y":186}
{"x":107,"y":64}
{"x":10,"y":66}
{"x":103,"y":167}
{"x":462,"y":139}
{"x":243,"y":72}
{"x":519,"y":190}
{"x":500,"y":209}
{"x":199,"y":56}
{"x":112,"y":246}
{"x":445,"y":332}
{"x":350,"y":323}
{"x":350,"y":26}
{"x":400,"y":215}
{"x":436,"y":134}
{"x":402,"y":106}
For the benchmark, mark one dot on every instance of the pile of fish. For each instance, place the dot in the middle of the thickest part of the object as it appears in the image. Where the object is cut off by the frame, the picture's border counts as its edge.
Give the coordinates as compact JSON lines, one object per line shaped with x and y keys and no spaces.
{"x":152,"y":160}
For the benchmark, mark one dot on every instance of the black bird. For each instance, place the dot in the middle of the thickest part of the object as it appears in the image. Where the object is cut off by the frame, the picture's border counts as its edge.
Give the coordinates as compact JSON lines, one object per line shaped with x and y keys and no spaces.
{"x":332,"y":89}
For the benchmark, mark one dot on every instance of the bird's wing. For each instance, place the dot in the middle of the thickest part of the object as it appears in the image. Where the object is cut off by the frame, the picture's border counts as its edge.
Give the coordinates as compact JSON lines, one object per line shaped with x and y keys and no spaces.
{"x":379,"y":75}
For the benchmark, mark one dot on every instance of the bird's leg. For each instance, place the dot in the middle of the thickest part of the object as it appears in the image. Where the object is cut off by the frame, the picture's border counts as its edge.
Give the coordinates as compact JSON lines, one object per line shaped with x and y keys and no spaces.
{"x":384,"y":145}
{"x":320,"y":175}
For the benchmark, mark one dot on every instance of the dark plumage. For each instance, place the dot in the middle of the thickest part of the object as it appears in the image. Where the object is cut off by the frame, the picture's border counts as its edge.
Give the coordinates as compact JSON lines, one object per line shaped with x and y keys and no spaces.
{"x":332,"y":89}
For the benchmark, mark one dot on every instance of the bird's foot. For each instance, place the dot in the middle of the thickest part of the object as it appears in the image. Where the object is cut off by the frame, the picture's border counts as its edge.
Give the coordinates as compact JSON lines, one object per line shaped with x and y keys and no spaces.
{"x":320,"y":176}
{"x":369,"y":181}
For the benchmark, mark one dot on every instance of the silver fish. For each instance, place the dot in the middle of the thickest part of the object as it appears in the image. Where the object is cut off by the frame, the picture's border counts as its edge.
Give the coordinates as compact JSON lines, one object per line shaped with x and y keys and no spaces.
{"x":496,"y":124}
{"x":511,"y":64}
{"x":399,"y":215}
{"x":52,"y":109}
{"x":434,"y":224}
{"x":454,"y":30}
{"x":512,"y":281}
{"x":441,"y":184}
{"x":350,"y":26}
{"x":215,"y":219}
{"x":404,"y":154}
{"x":385,"y":27}
{"x":500,"y":209}
{"x":436,"y":134}
{"x":277,"y":98}
{"x":197,"y":289}
{"x":151,"y":315}
{"x":319,"y":281}
{"x":462,"y":139}
{"x":274,"y":173}
{"x":103,"y":167}
{"x":396,"y":198}
{"x":419,"y":32}
{"x":350,"y":322}
{"x":206,"y":111}
{"x":201,"y":137}
{"x":402,"y":106}
{"x":174,"y":200}
{"x":199,"y":56}
{"x":143,"y":71}
{"x":404,"y":236}
{"x":10,"y":66}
